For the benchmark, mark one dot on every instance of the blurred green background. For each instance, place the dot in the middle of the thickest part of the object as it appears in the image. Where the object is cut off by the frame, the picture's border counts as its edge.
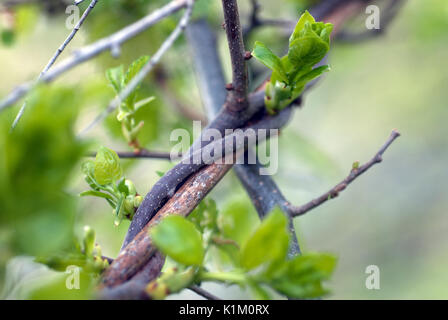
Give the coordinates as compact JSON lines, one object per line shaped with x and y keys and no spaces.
{"x":392,"y":217}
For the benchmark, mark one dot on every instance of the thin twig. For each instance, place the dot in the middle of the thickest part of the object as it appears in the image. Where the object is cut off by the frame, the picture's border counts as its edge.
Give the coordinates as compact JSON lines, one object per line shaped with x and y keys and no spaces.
{"x":112,"y":43}
{"x":204,"y":293}
{"x":354,"y":173}
{"x":143,"y":153}
{"x":255,"y":21}
{"x":138,"y":78}
{"x":237,"y":97}
{"x":70,"y":37}
{"x":58,"y":53}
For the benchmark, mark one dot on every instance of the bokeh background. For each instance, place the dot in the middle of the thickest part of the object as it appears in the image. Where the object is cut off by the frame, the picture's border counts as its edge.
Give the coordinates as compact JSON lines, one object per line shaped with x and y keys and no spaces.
{"x":394,"y":216}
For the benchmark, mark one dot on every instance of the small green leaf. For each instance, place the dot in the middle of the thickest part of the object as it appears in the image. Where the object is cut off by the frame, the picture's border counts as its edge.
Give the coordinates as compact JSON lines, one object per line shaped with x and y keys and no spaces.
{"x":258,"y":291}
{"x":269,"y":59}
{"x":116,"y":78}
{"x":88,"y":168}
{"x":307,"y":51}
{"x":133,"y":69}
{"x":131,"y":187}
{"x":122,"y":114}
{"x":205,"y":215}
{"x":107,"y":166}
{"x":268,"y":243}
{"x":316,"y":72}
{"x":121,"y":186}
{"x":61,"y":261}
{"x":237,"y":221}
{"x":178,"y":238}
{"x":304,"y":18}
{"x":143,"y":103}
{"x":302,"y":276}
{"x":95,"y":193}
{"x":171,"y":281}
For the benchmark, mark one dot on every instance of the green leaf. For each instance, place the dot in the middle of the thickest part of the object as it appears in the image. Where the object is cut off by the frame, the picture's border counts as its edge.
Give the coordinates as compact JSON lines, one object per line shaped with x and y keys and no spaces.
{"x":309,"y":42}
{"x":122,"y":187}
{"x":269,"y":59}
{"x":258,"y":291}
{"x":143,"y":103}
{"x":88,"y":168}
{"x":61,"y":261}
{"x":302,"y":276}
{"x":172,"y":280}
{"x":269,"y":243}
{"x":179,"y":239}
{"x":115,"y":76}
{"x":307,"y":51}
{"x":107,"y":166}
{"x":205,"y":216}
{"x":133,"y":69}
{"x":237,"y":221}
{"x":304,"y":18}
{"x":316,"y":72}
{"x":37,"y":163}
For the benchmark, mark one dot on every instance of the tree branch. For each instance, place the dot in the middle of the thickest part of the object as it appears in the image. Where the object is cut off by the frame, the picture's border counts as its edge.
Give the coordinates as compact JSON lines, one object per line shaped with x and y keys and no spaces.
{"x":138,"y":78}
{"x":140,"y":250}
{"x":143,"y":153}
{"x":204,"y":293}
{"x":112,"y":43}
{"x":354,"y":173}
{"x":169,"y":194}
{"x":206,"y":65}
{"x":58,"y":53}
{"x":237,"y":97}
{"x":134,"y":289}
{"x":166,"y":187}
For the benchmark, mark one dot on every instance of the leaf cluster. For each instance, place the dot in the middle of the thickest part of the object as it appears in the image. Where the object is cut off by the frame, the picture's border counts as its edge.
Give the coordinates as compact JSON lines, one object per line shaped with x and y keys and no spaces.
{"x":258,"y":260}
{"x":128,"y":108}
{"x":308,"y":45}
{"x":105,"y":177}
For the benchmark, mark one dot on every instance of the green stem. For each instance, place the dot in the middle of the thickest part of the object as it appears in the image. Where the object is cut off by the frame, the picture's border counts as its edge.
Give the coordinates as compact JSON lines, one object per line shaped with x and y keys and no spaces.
{"x":232,"y":277}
